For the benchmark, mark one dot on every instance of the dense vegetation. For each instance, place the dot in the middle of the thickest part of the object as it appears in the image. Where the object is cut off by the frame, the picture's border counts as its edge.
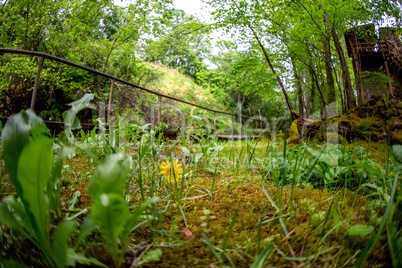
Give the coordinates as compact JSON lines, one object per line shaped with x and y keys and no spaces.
{"x":320,"y":187}
{"x":298,"y":43}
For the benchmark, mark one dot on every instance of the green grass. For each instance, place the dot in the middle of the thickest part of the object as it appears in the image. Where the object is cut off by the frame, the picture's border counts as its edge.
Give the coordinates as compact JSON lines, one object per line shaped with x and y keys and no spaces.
{"x":236,"y":204}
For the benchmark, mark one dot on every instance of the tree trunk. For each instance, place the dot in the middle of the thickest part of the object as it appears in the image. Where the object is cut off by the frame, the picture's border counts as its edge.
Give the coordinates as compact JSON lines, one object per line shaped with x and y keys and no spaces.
{"x":342,"y":97}
{"x":312,"y":94}
{"x":299,"y":90}
{"x":259,"y":112}
{"x":331,"y":97}
{"x":239,"y":103}
{"x":305,"y":97}
{"x":347,"y":83}
{"x":357,"y":71}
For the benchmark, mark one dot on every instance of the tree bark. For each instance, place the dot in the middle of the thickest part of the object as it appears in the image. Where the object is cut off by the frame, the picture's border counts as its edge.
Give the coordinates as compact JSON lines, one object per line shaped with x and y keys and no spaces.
{"x":331,"y":96}
{"x":294,"y":115}
{"x":305,"y":97}
{"x":312,"y":94}
{"x":347,"y":83}
{"x":299,"y":90}
{"x":358,"y":71}
{"x":239,"y":103}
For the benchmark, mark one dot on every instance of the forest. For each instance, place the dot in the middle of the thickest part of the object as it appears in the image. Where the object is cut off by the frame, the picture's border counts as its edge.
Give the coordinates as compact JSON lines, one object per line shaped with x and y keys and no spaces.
{"x":251,"y":134}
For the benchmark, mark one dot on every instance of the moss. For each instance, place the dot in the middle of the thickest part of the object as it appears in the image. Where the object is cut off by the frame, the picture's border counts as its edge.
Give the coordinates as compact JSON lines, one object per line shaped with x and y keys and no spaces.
{"x":396,"y":137}
{"x":293,"y":130}
{"x":303,"y":212}
{"x":294,"y":139}
{"x":334,"y":138}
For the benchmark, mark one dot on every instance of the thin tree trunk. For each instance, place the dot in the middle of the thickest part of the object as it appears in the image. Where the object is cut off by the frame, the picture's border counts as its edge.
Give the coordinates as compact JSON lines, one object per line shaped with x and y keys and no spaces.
{"x":322,"y":109}
{"x":331,"y":96}
{"x":358,"y":71}
{"x":239,"y":103}
{"x":312,"y":94}
{"x":347,"y":83}
{"x":294,"y":116}
{"x":259,"y":112}
{"x":342,"y":97}
{"x":305,"y":97}
{"x":299,"y":89}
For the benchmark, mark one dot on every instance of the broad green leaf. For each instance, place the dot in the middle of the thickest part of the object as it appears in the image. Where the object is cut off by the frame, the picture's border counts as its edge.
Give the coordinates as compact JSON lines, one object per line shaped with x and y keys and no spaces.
{"x":70,"y":120}
{"x":76,"y":106}
{"x":111,"y":213}
{"x":198,"y":157}
{"x":186,"y":152}
{"x":7,"y":218}
{"x":153,"y":255}
{"x":109,"y":177}
{"x":86,"y":228}
{"x":74,"y":200}
{"x":73,"y":258}
{"x":128,"y":163}
{"x":34,"y":169}
{"x":60,"y":242}
{"x":12,"y":264}
{"x":361,"y":229}
{"x":34,"y":120}
{"x":14,"y":137}
{"x":337,"y":219}
{"x":398,"y":153}
{"x":394,"y":243}
{"x":91,"y":155}
{"x":53,"y":189}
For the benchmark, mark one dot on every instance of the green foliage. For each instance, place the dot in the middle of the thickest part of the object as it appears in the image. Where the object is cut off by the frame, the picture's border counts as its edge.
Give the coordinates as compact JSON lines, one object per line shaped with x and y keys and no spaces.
{"x":109,"y":210}
{"x":397,"y":149}
{"x":183,"y":43}
{"x":29,"y":161}
{"x":361,"y":229}
{"x":375,"y":81}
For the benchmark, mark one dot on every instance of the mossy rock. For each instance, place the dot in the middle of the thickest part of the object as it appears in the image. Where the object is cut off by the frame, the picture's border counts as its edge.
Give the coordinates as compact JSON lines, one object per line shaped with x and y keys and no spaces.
{"x":293,"y":130}
{"x":310,"y":133}
{"x":279,"y":136}
{"x":330,"y":137}
{"x":293,"y":139}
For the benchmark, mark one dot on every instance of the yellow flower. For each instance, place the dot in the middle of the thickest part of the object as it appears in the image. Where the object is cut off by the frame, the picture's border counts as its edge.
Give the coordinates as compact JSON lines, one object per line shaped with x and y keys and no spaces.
{"x":175,"y":173}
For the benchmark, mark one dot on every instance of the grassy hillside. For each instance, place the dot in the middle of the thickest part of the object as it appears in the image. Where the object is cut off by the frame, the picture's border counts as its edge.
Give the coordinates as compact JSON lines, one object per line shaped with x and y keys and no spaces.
{"x":171,"y":82}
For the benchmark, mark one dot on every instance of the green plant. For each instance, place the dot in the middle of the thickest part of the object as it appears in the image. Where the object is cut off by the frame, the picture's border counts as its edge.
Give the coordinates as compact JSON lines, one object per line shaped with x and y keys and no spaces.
{"x":109,"y":210}
{"x":393,"y":234}
{"x":28,"y":157}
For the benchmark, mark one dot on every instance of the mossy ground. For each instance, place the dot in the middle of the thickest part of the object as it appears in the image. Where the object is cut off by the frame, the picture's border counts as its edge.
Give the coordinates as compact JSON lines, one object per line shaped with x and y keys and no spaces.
{"x":303,"y":210}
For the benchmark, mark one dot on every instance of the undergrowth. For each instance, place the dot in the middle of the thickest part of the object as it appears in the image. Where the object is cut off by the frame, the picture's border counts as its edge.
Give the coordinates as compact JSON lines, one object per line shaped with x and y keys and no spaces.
{"x":119,"y":199}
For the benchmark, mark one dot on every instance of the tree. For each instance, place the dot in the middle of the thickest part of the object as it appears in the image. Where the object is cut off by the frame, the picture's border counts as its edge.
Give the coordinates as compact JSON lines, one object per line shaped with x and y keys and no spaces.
{"x":181,"y":42}
{"x":247,"y":18}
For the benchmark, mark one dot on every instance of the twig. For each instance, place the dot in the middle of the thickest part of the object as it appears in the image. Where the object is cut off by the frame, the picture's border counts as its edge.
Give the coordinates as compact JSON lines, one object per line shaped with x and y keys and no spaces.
{"x":133,"y":263}
{"x":196,"y":197}
{"x":351,"y":258}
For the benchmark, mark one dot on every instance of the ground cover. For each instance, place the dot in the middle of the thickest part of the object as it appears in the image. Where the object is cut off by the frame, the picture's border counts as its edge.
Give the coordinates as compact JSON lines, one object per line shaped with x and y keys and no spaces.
{"x":96,"y":199}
